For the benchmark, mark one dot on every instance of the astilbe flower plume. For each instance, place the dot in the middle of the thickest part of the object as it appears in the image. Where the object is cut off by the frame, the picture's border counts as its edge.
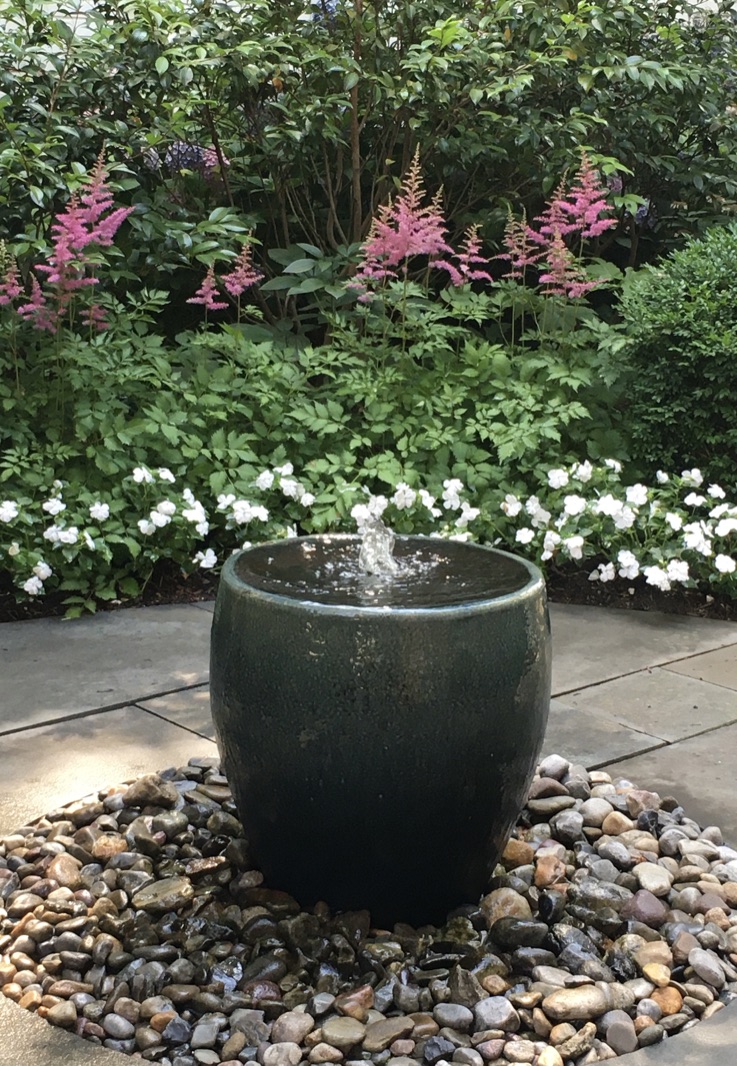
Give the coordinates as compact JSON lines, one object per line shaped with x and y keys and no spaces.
{"x":88,"y":219}
{"x":402,"y":229}
{"x":10,"y":286}
{"x":467,"y":262}
{"x":521,"y":251}
{"x":243,"y":275}
{"x":207,"y":293}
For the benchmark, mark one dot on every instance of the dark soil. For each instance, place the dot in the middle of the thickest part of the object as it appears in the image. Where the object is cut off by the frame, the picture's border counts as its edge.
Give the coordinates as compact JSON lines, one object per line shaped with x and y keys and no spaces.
{"x":570,"y":585}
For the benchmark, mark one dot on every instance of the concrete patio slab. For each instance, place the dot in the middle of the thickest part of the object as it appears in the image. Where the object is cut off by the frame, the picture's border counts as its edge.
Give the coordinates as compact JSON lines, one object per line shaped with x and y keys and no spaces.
{"x":717,"y":667}
{"x":591,"y":739}
{"x":700,"y":772}
{"x":667,"y":705}
{"x":28,"y":1039}
{"x":594,"y":644}
{"x":189,"y":709}
{"x":49,"y":766}
{"x":61,"y":668}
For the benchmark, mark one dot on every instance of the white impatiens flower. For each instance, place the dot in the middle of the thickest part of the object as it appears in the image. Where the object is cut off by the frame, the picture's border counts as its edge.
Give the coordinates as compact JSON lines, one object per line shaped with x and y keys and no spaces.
{"x":225,"y":500}
{"x":285,"y":470}
{"x":717,"y":492}
{"x":573,"y":505}
{"x":657,"y":577}
{"x":720,"y":509}
{"x":625,"y":519}
{"x":692,"y":477}
{"x":69,"y":536}
{"x":557,"y":479}
{"x":206,"y":560}
{"x":694,"y":500}
{"x":428,"y":501}
{"x":468,"y":513}
{"x":551,"y":540}
{"x":52,"y":534}
{"x":607,"y":505}
{"x":291,"y":532}
{"x":574,"y":547}
{"x":33,"y":586}
{"x":404,"y":496}
{"x":145,"y":526}
{"x":54,"y":506}
{"x":524,"y":535}
{"x":725,"y":527}
{"x":532,"y":505}
{"x":159,"y":520}
{"x":540,"y":518}
{"x":360,"y":515}
{"x":629,"y":567}
{"x":265,"y":480}
{"x":511,"y":505}
{"x":188,"y":495}
{"x":99,"y":512}
{"x":725,"y":564}
{"x":604,"y":572}
{"x":695,"y":537}
{"x":636,"y":495}
{"x":8,"y":510}
{"x":674,"y":520}
{"x":260,"y":513}
{"x":613,"y":464}
{"x":291,"y":487}
{"x":677,"y":570}
{"x":88,"y":540}
{"x":242,"y":512}
{"x":42,"y":570}
{"x":307,"y":499}
{"x":14,"y":548}
{"x":195,"y":513}
{"x":661,"y":477}
{"x":377,"y":505}
{"x":142,"y":476}
{"x":166,"y":507}
{"x":165,"y":474}
{"x":583,"y":472}
{"x":452,"y":487}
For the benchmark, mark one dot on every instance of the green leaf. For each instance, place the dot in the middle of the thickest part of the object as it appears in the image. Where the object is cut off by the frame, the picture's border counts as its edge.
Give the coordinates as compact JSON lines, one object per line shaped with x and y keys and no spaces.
{"x":299,"y":266}
{"x":161,"y":65}
{"x":350,"y":80}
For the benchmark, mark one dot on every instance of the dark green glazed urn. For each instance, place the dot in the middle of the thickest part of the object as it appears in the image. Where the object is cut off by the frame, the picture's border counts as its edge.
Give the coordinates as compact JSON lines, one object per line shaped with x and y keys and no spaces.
{"x":380,"y":753}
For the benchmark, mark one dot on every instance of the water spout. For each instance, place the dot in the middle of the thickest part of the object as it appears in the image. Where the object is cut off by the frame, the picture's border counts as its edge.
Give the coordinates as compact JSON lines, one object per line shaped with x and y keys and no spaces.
{"x":377,"y":545}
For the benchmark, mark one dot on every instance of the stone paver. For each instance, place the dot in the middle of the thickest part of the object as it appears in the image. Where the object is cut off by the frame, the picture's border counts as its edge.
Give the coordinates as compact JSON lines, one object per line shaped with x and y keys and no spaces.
{"x":700,"y":772}
{"x":665,"y":704}
{"x":718,"y":667}
{"x":189,"y":709}
{"x":49,"y":766}
{"x":28,"y":1040}
{"x":62,"y":668}
{"x":593,"y":644}
{"x":589,"y":738}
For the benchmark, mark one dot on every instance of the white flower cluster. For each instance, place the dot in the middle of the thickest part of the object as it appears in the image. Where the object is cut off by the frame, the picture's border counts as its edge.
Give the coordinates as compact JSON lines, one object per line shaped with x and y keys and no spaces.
{"x":650,"y":517}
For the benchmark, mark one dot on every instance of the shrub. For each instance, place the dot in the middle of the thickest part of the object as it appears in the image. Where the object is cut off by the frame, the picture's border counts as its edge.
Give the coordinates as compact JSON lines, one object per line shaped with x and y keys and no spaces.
{"x":681,"y":318}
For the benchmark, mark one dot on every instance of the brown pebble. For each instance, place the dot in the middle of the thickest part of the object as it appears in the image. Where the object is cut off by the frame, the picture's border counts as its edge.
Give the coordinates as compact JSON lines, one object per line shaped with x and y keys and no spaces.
{"x":356,"y":1003}
{"x":549,"y":870}
{"x":325,"y":1053}
{"x":402,"y":1047}
{"x":616,"y":823}
{"x":490,"y":1050}
{"x":657,"y":974}
{"x":517,"y":853}
{"x":494,"y":984}
{"x":160,"y":1021}
{"x":669,"y":999}
{"x":424,"y":1025}
{"x":643,"y":1021}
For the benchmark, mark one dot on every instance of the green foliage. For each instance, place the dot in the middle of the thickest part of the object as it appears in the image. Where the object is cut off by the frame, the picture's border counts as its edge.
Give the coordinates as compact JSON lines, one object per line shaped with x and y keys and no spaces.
{"x":313,"y":118}
{"x":681,"y":319}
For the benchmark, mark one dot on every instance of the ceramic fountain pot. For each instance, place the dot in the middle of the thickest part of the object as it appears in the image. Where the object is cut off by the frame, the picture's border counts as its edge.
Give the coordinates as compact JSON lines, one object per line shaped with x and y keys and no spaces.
{"x":380,"y":734}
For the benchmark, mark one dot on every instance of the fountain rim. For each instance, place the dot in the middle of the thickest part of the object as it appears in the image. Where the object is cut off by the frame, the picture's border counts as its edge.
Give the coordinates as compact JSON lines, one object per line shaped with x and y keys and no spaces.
{"x":529,"y":591}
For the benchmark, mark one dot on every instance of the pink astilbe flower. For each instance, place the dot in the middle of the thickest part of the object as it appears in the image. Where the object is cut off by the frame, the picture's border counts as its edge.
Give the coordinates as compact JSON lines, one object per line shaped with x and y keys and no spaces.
{"x":38,"y":310}
{"x":586,"y":200}
{"x":95,"y":317}
{"x":243,"y":275}
{"x":82,"y":223}
{"x":401,"y":230}
{"x":521,"y":251}
{"x":564,"y":276}
{"x":207,"y":292}
{"x":467,"y":260}
{"x":10,"y":286}
{"x":555,"y":219}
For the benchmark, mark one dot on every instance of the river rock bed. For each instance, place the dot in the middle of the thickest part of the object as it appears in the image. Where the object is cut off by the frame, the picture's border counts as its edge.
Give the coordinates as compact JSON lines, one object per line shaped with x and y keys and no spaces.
{"x":134,"y":918}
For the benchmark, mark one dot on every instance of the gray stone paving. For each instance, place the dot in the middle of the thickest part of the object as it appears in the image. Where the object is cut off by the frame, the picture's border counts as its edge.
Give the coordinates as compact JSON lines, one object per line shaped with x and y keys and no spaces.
{"x":100,"y":700}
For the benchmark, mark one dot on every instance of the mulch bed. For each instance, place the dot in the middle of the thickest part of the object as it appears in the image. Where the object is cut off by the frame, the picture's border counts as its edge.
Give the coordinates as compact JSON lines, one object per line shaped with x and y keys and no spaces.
{"x":568,"y":585}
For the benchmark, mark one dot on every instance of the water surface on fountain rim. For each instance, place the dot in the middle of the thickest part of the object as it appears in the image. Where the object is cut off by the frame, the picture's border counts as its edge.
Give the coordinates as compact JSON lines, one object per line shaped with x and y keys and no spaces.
{"x":430,"y":572}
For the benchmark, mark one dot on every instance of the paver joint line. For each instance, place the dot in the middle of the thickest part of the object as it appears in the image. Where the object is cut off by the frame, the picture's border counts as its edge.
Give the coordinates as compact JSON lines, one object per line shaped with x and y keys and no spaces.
{"x":102,"y":710}
{"x":163,"y":718}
